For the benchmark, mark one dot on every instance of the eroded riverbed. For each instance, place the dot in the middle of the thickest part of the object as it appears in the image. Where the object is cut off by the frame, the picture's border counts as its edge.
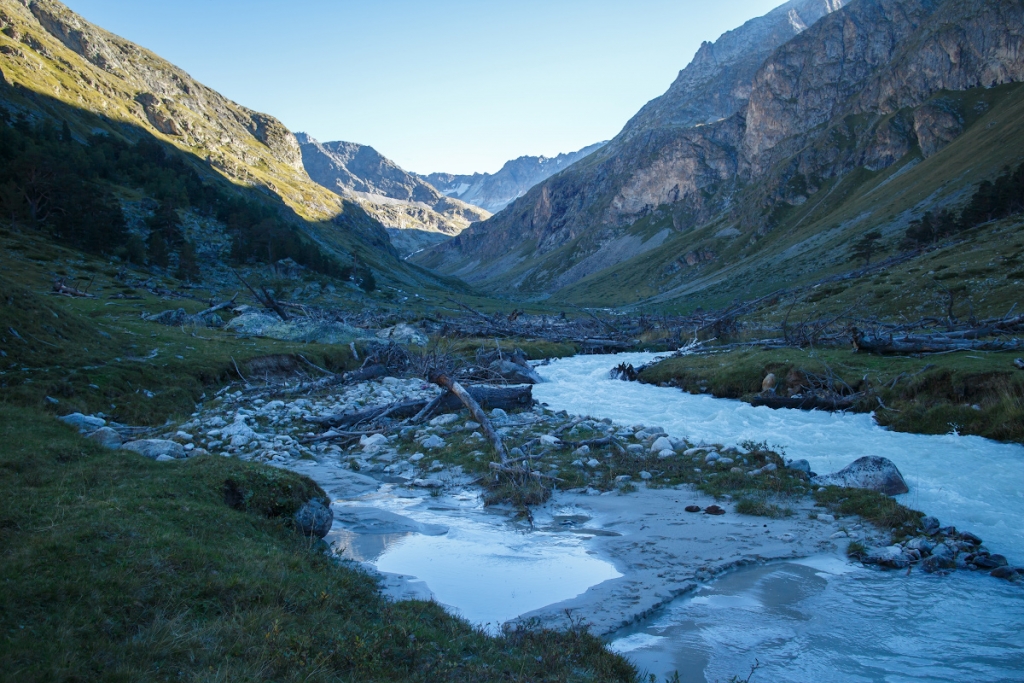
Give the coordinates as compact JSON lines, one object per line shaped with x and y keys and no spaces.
{"x":647,"y":574}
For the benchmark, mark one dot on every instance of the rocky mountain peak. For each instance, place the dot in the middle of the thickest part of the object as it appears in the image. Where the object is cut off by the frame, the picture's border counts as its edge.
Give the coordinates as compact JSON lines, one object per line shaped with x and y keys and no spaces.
{"x":495,"y":191}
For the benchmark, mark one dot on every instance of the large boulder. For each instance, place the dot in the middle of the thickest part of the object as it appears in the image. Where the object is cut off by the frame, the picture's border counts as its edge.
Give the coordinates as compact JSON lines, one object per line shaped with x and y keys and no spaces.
{"x":870,"y":472}
{"x":314,"y":518}
{"x":86,"y":424}
{"x":892,"y":557}
{"x":155,"y":448}
{"x":106,"y":437}
{"x":403,"y":334}
{"x":514,"y":372}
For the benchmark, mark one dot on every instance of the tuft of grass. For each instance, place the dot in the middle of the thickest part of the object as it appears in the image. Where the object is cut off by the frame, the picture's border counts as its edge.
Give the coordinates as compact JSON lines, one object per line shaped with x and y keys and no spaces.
{"x":761,"y":508}
{"x":872,"y":506}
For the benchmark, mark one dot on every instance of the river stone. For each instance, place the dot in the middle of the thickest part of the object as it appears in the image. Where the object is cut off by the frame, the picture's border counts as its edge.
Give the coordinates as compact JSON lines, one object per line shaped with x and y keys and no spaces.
{"x":714,"y":510}
{"x":711,"y":457}
{"x":442,"y":420}
{"x":1009,"y":573}
{"x":314,"y":518}
{"x":692,"y":508}
{"x":990,"y":561}
{"x":930,"y":525}
{"x":800,"y":466}
{"x":433,"y":441}
{"x":373,"y":441}
{"x":645,"y":475}
{"x":661,"y":444}
{"x":549,"y":440}
{"x":428,"y":483}
{"x":515,"y":373}
{"x":84,"y":423}
{"x":970,"y":538}
{"x":106,"y":437}
{"x":891,"y":556}
{"x":593,"y":463}
{"x":921,"y":544}
{"x":934,"y":563}
{"x":667,"y":453}
{"x":155,"y":448}
{"x":870,"y":472}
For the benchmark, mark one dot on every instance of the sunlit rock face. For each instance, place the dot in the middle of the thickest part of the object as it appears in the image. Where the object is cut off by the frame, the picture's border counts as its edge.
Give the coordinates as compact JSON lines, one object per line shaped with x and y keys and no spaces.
{"x":766,"y":114}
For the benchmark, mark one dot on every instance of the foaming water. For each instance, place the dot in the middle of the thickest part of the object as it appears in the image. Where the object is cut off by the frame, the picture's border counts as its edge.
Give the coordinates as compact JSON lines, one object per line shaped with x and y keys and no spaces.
{"x":473,"y":561}
{"x":825,"y":620}
{"x":970,"y":482}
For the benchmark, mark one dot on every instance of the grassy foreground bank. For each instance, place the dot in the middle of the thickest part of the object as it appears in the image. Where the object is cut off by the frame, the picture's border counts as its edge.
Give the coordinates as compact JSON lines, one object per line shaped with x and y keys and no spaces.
{"x":115,"y":567}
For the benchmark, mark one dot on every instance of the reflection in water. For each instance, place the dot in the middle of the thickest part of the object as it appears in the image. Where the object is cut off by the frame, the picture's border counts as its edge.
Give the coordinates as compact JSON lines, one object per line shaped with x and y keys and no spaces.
{"x":361,"y":547}
{"x":483,"y":567}
{"x":824,"y":620}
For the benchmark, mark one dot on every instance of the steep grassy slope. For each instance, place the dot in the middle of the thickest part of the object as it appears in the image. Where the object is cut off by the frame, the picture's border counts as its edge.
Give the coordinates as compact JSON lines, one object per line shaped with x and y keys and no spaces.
{"x":56,"y":67}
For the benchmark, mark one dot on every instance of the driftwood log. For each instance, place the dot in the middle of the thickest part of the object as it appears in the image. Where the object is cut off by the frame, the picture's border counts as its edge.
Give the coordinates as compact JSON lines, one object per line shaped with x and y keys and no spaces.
{"x":910,"y":345}
{"x":488,"y":397}
{"x":445,"y":382}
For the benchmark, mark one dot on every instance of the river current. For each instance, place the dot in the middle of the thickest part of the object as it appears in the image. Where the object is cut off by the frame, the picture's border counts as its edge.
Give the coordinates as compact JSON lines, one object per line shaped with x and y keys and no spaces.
{"x":823,"y":619}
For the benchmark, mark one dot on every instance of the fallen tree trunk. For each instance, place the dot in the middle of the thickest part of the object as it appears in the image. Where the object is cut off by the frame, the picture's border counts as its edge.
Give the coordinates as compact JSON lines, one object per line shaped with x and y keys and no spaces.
{"x":445,"y":382}
{"x":907,"y":345}
{"x":488,"y":397}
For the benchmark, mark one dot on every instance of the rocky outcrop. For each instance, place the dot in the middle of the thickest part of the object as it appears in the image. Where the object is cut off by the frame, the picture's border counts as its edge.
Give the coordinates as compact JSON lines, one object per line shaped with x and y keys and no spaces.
{"x":495,"y":191}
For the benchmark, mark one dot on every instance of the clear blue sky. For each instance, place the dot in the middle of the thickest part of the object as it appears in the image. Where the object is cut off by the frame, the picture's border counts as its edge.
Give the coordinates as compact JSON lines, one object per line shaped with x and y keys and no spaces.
{"x":446,"y":85}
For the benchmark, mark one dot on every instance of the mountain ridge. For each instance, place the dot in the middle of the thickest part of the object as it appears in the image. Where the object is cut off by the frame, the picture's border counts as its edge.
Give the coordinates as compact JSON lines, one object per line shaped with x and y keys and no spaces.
{"x":495,"y":191}
{"x":415,"y":214}
{"x":57,"y":66}
{"x":855,"y":90}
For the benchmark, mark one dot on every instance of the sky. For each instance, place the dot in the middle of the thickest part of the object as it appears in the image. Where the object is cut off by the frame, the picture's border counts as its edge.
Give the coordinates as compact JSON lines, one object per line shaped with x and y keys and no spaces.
{"x":436,"y":85}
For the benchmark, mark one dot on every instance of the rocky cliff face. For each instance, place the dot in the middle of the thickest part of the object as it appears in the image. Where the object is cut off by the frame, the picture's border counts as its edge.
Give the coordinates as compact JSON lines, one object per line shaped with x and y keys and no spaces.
{"x":841,"y":88}
{"x":401,"y":201}
{"x":495,"y":191}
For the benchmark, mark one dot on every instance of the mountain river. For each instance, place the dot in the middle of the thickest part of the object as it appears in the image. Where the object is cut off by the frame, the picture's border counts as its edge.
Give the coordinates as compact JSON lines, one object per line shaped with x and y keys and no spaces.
{"x":817,"y":619}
